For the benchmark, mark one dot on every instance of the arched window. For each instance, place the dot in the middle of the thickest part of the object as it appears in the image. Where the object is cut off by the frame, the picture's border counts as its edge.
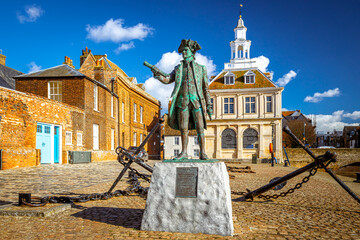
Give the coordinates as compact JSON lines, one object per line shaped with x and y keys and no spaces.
{"x":250,"y":138}
{"x":228,"y":139}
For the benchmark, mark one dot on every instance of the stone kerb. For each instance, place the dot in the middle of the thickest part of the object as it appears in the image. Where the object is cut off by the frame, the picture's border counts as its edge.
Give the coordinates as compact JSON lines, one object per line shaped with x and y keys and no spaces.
{"x":210,"y":212}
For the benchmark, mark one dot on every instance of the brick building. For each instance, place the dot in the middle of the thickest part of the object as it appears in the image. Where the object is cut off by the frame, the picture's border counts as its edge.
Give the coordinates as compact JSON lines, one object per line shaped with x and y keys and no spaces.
{"x":112,"y":109}
{"x":7,"y":74}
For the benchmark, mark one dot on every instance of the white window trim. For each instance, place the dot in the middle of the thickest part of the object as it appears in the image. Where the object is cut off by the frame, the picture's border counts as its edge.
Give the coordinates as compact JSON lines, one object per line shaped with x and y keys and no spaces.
{"x":67,"y":139}
{"x":141,"y":114}
{"x":272,"y":103}
{"x":249,"y":73}
{"x":60,"y":89}
{"x":112,"y":106}
{"x":79,"y":143}
{"x":135,"y":110}
{"x":96,"y":97}
{"x":134,"y":139}
{"x":228,"y":103}
{"x":176,"y":138}
{"x":229,"y":78}
{"x":97,"y":138}
{"x":196,"y":140}
{"x":255,"y":100}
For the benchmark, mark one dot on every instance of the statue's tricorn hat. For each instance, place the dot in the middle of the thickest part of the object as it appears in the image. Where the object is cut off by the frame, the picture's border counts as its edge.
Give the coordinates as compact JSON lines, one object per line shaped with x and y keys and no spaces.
{"x":193,"y":45}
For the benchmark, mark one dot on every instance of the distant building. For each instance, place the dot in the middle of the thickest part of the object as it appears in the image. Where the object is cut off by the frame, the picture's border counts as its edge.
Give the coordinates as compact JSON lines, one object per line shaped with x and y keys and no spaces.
{"x":294,"y":115}
{"x":351,"y":136}
{"x":96,"y":108}
{"x":247,"y":107}
{"x":334,"y":139}
{"x":172,"y":142}
{"x":7,"y":74}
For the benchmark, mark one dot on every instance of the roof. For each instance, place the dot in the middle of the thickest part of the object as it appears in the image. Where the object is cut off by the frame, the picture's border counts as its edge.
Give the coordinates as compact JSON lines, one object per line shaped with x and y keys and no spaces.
{"x":58,"y":71}
{"x":261,"y":81}
{"x":6,"y":76}
{"x":287,"y":113}
{"x":172,"y":132}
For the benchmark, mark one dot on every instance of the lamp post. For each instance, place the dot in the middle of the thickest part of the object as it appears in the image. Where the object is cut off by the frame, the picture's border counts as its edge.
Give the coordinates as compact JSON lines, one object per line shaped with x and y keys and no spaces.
{"x":272,"y":142}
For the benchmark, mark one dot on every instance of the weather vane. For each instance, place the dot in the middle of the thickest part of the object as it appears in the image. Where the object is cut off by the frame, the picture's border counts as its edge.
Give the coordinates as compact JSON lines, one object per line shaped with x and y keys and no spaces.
{"x":240,"y":9}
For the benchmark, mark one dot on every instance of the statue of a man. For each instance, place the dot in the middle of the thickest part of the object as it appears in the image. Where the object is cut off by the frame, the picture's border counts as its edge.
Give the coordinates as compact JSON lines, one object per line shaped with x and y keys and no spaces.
{"x":190,"y":97}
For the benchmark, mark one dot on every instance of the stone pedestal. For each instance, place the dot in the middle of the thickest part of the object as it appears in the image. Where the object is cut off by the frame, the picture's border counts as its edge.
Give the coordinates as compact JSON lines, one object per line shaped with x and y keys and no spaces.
{"x":189,"y":197}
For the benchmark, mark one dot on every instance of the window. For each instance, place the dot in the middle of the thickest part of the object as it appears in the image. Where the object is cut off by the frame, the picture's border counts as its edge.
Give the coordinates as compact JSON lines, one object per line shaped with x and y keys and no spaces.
{"x":250,"y":138}
{"x":177,"y":140}
{"x":250,"y":105}
{"x":228,"y":105}
{"x":249,"y":77}
{"x":68,"y":138}
{"x":228,"y":139}
{"x":47,"y":129}
{"x":141,"y":114}
{"x":123,"y":112}
{"x":95,"y":137}
{"x":196,"y":152}
{"x":176,"y":152}
{"x":269,"y":104}
{"x":141,"y":138}
{"x":135,"y":107}
{"x":79,"y":139}
{"x":96,"y":98}
{"x":229,"y":78}
{"x":112,"y":106}
{"x":134,"y":139}
{"x":112,"y":139}
{"x":39,"y":128}
{"x":196,"y":140}
{"x":55,"y":90}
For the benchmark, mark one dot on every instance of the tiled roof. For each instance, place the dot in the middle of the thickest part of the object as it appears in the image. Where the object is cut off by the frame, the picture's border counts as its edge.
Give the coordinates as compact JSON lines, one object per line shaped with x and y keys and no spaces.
{"x":6,"y":76}
{"x":58,"y":71}
{"x":260,"y":81}
{"x":287,"y":113}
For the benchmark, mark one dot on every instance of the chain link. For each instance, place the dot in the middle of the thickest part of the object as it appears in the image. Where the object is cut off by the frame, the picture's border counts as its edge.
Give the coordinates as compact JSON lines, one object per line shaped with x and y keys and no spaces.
{"x":312,"y":172}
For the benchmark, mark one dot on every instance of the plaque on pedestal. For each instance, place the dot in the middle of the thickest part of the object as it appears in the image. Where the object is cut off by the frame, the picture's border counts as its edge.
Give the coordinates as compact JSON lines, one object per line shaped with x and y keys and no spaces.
{"x":189,"y":197}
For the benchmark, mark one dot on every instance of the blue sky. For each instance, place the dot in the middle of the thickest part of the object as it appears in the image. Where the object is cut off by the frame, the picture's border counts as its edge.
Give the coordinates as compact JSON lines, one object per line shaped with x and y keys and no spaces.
{"x":314,"y":44}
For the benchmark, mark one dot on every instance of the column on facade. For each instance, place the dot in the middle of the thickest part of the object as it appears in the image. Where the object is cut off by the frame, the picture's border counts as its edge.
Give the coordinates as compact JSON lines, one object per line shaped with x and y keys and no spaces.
{"x":239,"y":108}
{"x":218,"y":107}
{"x":260,"y":103}
{"x":236,"y":50}
{"x":239,"y":146}
{"x":217,"y":142}
{"x":278,"y":141}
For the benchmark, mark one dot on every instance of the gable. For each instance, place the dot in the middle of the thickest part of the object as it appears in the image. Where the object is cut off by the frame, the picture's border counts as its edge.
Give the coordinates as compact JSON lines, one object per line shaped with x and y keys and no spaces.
{"x":261,"y":81}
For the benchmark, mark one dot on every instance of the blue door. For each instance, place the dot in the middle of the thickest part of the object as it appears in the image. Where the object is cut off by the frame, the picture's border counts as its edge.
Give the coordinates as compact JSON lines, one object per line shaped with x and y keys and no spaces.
{"x":56,"y":144}
{"x":43,"y":141}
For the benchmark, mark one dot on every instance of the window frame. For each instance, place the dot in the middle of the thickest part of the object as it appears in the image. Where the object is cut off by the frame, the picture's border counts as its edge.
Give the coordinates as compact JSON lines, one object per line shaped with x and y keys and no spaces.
{"x":135,"y":112}
{"x":67,"y":138}
{"x":112,"y":139}
{"x":59,"y":88}
{"x":228,"y":104}
{"x":79,"y":143}
{"x":250,"y":104}
{"x":112,"y":106}
{"x":96,"y":138}
{"x":249,"y":77}
{"x":269,"y":102}
{"x":96,"y":97}
{"x":134,"y":139}
{"x":176,"y":140}
{"x":229,"y":78}
{"x":141,"y":114}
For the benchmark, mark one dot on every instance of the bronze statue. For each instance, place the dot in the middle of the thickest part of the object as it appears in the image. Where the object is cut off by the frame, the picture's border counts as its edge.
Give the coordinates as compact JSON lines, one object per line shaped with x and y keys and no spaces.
{"x":190,"y":97}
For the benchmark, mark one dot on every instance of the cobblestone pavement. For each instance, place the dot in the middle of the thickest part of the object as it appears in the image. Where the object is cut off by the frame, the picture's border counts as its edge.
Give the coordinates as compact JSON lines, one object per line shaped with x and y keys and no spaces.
{"x":321,"y":209}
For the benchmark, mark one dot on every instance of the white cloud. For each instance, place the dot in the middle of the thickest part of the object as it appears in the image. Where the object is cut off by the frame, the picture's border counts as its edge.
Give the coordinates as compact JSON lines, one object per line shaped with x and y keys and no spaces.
{"x":33,"y":67}
{"x":32,"y":13}
{"x":124,"y":47}
{"x":262,"y":63}
{"x":319,"y":96}
{"x":166,"y":64}
{"x":329,"y":123}
{"x":355,"y":115}
{"x":282,"y":82}
{"x":114,"y":31}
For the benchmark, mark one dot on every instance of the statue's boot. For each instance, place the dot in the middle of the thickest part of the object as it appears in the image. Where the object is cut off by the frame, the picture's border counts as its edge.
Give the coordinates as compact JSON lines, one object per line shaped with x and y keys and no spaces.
{"x":182,"y":155}
{"x":203,"y":156}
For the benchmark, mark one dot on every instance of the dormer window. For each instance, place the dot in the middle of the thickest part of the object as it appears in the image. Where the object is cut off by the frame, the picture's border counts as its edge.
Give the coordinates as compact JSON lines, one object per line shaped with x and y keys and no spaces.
{"x":229,"y":78}
{"x":249,"y":77}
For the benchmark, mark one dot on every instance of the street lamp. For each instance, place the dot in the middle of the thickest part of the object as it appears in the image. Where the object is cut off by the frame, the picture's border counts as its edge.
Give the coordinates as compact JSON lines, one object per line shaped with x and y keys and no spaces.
{"x":272,"y":143}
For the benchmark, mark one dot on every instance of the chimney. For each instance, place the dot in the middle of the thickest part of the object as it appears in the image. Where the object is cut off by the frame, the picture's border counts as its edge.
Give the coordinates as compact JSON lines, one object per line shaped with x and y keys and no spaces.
{"x":2,"y":58}
{"x":99,"y":72}
{"x":84,"y":55}
{"x":68,"y":62}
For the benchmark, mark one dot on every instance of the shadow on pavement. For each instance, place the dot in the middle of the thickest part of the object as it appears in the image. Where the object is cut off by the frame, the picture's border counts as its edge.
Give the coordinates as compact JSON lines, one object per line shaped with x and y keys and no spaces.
{"x":125,"y":217}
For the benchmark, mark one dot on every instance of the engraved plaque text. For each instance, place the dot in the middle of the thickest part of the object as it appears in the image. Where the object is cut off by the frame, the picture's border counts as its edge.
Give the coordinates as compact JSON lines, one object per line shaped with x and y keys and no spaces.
{"x":186,"y":182}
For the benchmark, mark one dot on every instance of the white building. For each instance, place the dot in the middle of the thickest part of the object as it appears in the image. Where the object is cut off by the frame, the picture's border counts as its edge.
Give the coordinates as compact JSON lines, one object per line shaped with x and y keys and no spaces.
{"x":247,"y":107}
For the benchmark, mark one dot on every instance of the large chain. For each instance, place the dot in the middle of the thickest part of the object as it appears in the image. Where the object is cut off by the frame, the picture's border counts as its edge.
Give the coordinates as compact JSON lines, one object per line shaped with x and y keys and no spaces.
{"x":291,"y":190}
{"x":134,"y":187}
